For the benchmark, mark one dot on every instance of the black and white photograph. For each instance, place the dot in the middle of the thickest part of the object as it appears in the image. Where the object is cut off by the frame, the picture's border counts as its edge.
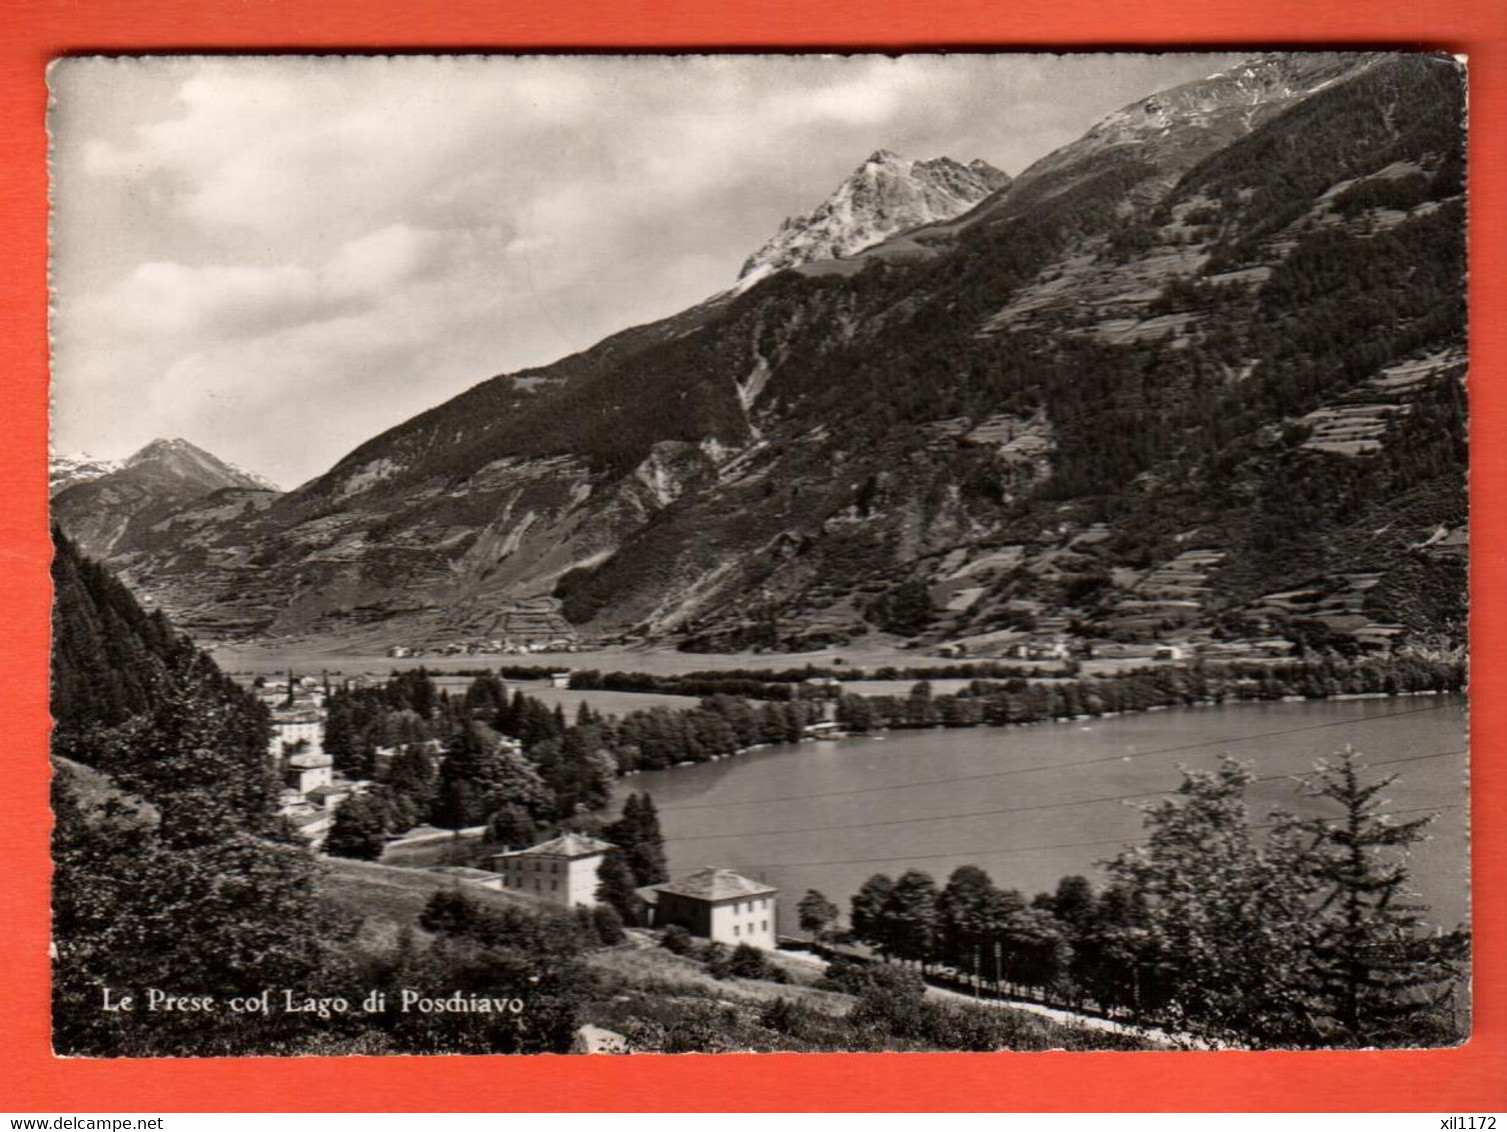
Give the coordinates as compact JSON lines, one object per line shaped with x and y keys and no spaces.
{"x":723,"y":553}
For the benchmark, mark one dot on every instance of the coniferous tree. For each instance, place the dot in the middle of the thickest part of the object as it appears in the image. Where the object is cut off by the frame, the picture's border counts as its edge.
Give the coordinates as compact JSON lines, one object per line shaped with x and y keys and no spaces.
{"x":615,"y":886}
{"x":1375,"y":972}
{"x":642,"y":841}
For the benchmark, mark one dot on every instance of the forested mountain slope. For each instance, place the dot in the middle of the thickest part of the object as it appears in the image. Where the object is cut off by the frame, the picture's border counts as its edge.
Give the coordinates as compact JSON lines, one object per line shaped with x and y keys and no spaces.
{"x":1200,"y":372}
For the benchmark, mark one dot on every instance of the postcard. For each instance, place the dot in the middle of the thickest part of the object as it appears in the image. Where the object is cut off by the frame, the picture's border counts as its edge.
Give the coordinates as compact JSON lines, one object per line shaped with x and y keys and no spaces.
{"x":725,"y":553}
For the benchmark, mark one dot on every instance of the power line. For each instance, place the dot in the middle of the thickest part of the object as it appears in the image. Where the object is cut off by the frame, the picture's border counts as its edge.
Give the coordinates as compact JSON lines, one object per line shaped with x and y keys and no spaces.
{"x":1016,"y":809}
{"x":1054,"y":766}
{"x":1027,"y":848}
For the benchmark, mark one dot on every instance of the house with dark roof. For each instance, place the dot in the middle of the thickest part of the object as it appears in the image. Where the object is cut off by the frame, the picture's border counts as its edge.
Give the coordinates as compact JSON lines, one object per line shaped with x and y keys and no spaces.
{"x":562,"y":870}
{"x":717,"y":904}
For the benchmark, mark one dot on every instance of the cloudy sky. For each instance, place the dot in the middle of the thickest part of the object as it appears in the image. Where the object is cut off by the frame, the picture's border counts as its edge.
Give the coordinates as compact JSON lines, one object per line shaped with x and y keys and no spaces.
{"x":277,"y":258}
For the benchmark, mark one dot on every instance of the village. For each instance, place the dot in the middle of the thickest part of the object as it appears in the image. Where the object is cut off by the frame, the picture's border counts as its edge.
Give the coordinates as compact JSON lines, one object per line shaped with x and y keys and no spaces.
{"x":712,"y":903}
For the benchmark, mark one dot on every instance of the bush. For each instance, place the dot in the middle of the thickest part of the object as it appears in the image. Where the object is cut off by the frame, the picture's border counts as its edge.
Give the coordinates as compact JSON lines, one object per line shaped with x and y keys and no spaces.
{"x":786,"y":1017}
{"x":714,"y":955}
{"x":848,"y":976}
{"x":676,"y":940}
{"x":748,"y":962}
{"x":608,"y":925}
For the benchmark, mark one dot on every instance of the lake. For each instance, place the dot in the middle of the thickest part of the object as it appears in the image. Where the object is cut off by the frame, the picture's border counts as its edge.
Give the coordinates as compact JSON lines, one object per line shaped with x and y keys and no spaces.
{"x":1032,"y":804}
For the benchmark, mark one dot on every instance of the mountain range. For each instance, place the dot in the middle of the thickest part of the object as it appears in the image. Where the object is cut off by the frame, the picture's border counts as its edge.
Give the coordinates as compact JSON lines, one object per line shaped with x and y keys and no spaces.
{"x":1197,"y":375}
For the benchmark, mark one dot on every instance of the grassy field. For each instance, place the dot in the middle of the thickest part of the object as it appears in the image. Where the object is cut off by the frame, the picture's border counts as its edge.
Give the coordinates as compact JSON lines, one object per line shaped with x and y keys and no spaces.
{"x":393,"y":893}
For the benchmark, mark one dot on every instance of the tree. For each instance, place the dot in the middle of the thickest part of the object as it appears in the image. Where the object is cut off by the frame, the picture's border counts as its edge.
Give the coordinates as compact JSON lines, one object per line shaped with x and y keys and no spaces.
{"x":965,"y":917}
{"x":746,"y":962}
{"x":816,"y":914}
{"x":479,"y":776}
{"x":910,"y":917}
{"x":615,"y":885}
{"x":638,"y":834}
{"x":1034,"y":948}
{"x":608,"y":925}
{"x":356,"y":830}
{"x":224,"y":916}
{"x":413,"y":774}
{"x":511,"y":827}
{"x":1373,"y":972}
{"x":867,"y":911}
{"x":578,"y":769}
{"x":890,"y":999}
{"x":1073,"y":902}
{"x":1109,"y":951}
{"x":1225,"y":918}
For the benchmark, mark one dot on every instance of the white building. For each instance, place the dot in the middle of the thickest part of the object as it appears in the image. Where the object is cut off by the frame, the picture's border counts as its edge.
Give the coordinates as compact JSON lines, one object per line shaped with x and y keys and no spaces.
{"x":718,"y":904}
{"x":301,"y":729}
{"x":306,"y":772}
{"x":313,"y":825}
{"x":563,"y":870}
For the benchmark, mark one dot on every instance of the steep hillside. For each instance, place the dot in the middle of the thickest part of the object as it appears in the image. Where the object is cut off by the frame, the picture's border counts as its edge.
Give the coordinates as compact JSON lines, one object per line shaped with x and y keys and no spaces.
{"x":107,"y":506}
{"x":1198,"y":373}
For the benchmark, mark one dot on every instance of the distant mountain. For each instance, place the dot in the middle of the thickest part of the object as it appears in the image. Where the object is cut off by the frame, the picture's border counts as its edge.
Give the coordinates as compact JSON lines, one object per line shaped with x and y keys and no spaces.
{"x":1196,"y":376}
{"x":105,"y":504}
{"x":63,"y":471}
{"x":885,"y":195}
{"x":189,"y":464}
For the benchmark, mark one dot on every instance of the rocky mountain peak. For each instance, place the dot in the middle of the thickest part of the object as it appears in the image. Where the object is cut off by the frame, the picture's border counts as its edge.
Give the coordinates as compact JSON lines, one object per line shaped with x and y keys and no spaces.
{"x":885,"y":195}
{"x":186,"y":460}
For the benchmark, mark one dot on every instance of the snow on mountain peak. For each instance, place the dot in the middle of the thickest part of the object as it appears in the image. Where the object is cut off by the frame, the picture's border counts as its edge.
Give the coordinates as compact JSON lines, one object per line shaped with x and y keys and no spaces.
{"x":885,"y":195}
{"x":64,"y":469}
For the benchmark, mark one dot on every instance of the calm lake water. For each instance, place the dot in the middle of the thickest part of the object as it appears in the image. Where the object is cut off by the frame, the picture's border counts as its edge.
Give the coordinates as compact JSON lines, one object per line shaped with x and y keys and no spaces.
{"x":1032,"y":804}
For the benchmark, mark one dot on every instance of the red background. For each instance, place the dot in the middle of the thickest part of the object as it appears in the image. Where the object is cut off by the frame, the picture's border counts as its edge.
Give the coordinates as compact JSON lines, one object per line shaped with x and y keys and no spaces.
{"x":1470,"y":1079}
